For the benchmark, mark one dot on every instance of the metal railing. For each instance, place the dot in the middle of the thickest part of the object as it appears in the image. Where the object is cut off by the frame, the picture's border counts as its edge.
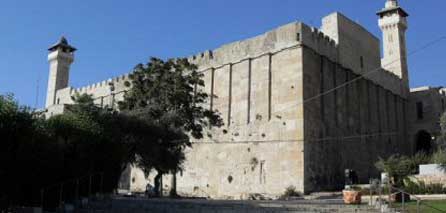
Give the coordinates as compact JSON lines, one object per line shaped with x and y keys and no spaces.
{"x":388,"y":204}
{"x":404,"y":202}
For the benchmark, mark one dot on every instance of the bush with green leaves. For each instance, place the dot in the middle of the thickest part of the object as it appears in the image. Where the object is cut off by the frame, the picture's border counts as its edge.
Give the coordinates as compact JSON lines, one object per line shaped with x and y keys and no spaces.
{"x":420,"y":187}
{"x":399,"y":167}
{"x":439,"y":157}
{"x":441,"y":139}
{"x":290,"y":191}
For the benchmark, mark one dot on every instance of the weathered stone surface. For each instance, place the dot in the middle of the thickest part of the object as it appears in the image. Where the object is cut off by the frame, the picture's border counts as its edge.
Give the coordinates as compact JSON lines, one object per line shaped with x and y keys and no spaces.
{"x":300,"y":106}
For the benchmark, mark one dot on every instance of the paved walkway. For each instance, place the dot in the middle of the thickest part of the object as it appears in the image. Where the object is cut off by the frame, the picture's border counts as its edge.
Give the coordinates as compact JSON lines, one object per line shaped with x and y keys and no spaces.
{"x":136,"y":205}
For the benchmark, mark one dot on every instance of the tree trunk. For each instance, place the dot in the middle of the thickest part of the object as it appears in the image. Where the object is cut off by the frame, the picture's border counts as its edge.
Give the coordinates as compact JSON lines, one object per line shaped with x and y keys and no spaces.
{"x":158,"y":188}
{"x":173,"y":189}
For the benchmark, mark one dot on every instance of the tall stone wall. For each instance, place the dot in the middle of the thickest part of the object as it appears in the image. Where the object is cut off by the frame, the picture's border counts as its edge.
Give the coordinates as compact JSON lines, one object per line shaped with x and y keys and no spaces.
{"x":235,"y":170}
{"x":348,"y":127}
{"x":260,"y":148}
{"x":359,"y":51}
{"x":281,"y":129}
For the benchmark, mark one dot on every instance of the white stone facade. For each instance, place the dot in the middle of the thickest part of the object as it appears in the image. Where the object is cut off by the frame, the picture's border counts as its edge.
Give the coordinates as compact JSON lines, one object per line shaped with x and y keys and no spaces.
{"x":291,"y":117}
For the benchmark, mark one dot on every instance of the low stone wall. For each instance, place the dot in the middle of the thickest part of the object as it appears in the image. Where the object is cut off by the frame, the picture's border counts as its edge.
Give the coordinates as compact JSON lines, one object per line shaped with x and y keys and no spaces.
{"x":432,"y":169}
{"x":432,"y":179}
{"x":431,"y":174}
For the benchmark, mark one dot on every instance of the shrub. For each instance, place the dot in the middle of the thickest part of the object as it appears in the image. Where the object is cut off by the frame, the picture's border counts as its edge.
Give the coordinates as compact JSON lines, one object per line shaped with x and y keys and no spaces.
{"x":418,"y":159}
{"x":421,"y":187}
{"x":439,"y":157}
{"x":441,"y":139}
{"x":399,"y":167}
{"x":368,"y":191}
{"x":290,"y":191}
{"x":413,"y":188}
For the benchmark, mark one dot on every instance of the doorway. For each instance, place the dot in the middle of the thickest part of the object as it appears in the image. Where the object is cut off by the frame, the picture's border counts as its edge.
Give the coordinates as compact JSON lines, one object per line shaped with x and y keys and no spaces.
{"x":423,"y":142}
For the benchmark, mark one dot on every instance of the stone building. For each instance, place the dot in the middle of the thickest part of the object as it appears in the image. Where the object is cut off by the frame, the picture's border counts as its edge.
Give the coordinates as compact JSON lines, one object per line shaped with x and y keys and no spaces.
{"x":427,"y":105}
{"x":300,"y":106}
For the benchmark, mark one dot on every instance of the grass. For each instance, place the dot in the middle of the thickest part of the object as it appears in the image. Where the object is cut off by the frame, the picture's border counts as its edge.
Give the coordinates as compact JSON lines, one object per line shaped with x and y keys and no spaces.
{"x":424,"y":206}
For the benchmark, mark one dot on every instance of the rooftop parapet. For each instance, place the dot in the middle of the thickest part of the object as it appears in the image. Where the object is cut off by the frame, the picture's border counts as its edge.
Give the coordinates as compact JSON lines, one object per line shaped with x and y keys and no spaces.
{"x":201,"y":58}
{"x":103,"y":86}
{"x":319,"y":42}
{"x":274,"y":40}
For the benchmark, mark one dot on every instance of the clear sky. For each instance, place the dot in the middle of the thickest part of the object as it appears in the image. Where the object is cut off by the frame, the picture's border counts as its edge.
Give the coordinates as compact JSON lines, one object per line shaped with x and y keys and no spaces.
{"x":114,"y":35}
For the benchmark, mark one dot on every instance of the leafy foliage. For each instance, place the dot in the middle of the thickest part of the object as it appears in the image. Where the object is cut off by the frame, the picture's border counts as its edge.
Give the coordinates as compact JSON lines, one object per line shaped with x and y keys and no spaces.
{"x":26,"y":151}
{"x":290,"y":191}
{"x":441,"y":140}
{"x":164,"y":105}
{"x":400,"y":167}
{"x":421,"y":187}
{"x":439,"y":157}
{"x":38,"y":153}
{"x":168,"y":95}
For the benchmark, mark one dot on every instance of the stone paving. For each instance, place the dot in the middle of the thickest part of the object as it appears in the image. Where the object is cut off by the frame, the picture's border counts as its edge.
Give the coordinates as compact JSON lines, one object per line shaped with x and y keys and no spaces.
{"x":127,"y":205}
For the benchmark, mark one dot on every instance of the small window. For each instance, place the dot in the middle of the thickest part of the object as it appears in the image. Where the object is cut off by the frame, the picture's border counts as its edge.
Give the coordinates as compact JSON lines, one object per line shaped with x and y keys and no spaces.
{"x":420,"y":110}
{"x":58,"y":101}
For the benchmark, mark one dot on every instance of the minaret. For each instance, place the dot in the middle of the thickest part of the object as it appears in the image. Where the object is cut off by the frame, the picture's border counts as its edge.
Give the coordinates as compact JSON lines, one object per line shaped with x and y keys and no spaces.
{"x":393,"y":23}
{"x":60,"y":58}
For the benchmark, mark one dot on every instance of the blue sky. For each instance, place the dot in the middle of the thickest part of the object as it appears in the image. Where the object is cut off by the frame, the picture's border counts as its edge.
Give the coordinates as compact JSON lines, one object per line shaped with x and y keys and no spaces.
{"x":114,"y":35}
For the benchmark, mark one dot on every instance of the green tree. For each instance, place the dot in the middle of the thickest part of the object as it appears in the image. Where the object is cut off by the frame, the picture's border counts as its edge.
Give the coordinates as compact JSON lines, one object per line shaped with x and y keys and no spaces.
{"x":439,"y":156}
{"x":94,"y":141}
{"x":26,"y":151}
{"x":441,"y":140}
{"x":169,"y":94}
{"x":399,"y":167}
{"x":36,"y":153}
